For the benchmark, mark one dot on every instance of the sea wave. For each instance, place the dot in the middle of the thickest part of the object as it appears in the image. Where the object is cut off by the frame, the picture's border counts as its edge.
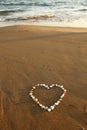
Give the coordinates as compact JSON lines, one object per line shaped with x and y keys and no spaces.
{"x":26,"y":4}
{"x":43,"y":10}
{"x":32,"y":18}
{"x":7,"y":12}
{"x":39,"y":17}
{"x":83,"y":10}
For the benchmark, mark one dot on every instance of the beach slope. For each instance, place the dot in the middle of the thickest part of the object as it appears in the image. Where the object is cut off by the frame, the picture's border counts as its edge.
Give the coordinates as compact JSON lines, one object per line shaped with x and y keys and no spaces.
{"x":31,"y":55}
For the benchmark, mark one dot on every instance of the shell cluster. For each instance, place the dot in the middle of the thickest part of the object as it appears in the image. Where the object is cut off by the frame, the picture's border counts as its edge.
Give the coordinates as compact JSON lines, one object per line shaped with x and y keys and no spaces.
{"x":49,"y":109}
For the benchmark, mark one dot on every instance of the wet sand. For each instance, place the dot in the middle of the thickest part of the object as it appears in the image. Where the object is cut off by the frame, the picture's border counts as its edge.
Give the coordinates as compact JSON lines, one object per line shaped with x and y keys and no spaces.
{"x":31,"y":55}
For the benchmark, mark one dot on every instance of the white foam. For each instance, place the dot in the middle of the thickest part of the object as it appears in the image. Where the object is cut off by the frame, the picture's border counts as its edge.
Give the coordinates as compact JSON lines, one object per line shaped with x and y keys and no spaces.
{"x":54,"y":24}
{"x":67,"y":13}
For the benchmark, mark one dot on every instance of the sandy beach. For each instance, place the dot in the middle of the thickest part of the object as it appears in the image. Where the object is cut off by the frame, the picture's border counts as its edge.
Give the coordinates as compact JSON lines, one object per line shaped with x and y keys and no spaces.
{"x":35,"y":54}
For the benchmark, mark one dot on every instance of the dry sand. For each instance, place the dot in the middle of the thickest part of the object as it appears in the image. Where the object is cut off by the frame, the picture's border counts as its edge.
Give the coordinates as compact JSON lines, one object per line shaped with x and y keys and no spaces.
{"x":31,"y":55}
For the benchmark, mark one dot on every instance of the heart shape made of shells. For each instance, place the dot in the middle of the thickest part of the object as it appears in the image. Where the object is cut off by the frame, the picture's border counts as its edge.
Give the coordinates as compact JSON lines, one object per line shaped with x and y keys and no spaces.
{"x":50,"y":108}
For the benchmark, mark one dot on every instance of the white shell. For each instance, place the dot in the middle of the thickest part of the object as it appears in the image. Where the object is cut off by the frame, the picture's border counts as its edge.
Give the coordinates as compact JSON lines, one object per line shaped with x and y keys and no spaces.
{"x":34,"y":87}
{"x":56,"y":103}
{"x":52,"y":107}
{"x":49,"y":110}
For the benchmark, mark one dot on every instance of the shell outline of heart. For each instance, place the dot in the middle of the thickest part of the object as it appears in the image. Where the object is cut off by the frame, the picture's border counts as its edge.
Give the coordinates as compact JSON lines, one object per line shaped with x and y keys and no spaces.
{"x":52,"y":107}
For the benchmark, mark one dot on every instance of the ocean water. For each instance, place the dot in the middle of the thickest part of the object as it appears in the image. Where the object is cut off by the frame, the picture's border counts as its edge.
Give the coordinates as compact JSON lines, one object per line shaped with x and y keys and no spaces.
{"x":56,"y":12}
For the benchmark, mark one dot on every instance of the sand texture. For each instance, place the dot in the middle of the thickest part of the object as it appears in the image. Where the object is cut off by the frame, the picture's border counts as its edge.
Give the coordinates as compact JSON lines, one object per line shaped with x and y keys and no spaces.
{"x":31,"y":55}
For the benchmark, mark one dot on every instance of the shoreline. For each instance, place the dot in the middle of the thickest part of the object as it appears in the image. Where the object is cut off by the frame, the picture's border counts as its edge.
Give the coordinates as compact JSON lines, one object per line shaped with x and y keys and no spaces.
{"x":46,"y":24}
{"x":49,"y":28}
